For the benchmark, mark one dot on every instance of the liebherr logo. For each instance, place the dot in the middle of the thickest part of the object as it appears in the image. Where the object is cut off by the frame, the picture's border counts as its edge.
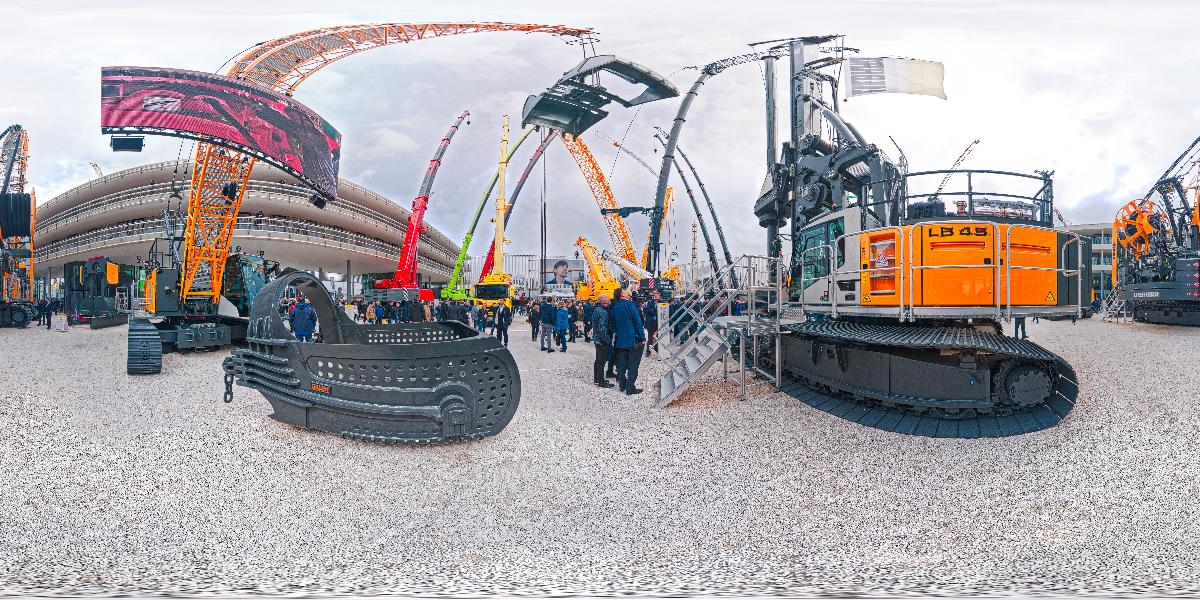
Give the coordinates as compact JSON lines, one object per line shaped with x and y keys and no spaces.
{"x":1145,"y":294}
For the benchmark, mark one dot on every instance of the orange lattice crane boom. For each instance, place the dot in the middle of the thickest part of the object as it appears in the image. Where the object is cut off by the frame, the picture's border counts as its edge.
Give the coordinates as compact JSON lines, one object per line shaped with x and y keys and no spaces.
{"x":598,"y":184}
{"x":220,"y":175}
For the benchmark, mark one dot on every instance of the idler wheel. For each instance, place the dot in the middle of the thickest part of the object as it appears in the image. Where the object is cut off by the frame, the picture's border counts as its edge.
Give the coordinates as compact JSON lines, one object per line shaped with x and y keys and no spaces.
{"x":1024,"y":384}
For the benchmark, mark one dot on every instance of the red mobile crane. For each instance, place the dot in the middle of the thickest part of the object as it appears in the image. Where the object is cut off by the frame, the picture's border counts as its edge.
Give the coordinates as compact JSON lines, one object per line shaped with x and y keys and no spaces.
{"x":404,"y":281}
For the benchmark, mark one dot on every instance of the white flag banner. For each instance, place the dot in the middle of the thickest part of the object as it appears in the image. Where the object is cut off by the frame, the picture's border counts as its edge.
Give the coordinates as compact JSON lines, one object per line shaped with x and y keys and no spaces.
{"x":896,"y":76}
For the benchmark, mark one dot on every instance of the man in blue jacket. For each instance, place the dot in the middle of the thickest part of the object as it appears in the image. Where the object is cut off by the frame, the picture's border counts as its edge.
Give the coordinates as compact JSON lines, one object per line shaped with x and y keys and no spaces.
{"x":548,"y":319}
{"x":562,"y":323}
{"x":629,"y":335}
{"x":304,"y":320}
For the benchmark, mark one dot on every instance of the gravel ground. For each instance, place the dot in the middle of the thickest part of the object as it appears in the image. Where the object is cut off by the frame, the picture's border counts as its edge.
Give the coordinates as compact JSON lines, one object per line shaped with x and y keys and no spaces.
{"x":115,"y":484}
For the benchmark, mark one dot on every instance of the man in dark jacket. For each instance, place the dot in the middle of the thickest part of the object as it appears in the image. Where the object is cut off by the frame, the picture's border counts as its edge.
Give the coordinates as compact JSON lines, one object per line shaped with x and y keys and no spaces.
{"x":533,"y":314}
{"x":503,"y":320}
{"x":650,"y":318}
{"x":572,"y":319}
{"x":304,"y":320}
{"x":602,"y":338}
{"x":547,"y":319}
{"x":629,"y":335}
{"x":589,"y":308}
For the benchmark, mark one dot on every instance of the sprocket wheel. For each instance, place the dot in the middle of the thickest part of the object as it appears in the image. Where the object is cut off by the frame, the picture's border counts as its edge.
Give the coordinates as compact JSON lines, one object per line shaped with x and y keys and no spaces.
{"x":1023,"y":384}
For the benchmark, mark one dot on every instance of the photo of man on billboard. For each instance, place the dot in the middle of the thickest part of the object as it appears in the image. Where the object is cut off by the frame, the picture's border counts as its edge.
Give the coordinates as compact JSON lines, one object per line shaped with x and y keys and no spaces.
{"x":562,"y":271}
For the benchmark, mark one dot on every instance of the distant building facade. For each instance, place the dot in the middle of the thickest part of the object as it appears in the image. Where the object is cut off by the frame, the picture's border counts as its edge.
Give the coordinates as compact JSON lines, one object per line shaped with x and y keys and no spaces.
{"x":119,"y":215}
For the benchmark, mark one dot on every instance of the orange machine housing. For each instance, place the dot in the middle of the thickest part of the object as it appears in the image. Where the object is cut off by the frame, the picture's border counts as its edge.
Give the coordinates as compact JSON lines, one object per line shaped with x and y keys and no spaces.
{"x":959,"y":265}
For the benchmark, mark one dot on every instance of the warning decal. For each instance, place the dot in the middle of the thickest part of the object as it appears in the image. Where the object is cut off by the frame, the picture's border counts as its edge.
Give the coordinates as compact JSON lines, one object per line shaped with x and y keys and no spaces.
{"x":1049,"y":296}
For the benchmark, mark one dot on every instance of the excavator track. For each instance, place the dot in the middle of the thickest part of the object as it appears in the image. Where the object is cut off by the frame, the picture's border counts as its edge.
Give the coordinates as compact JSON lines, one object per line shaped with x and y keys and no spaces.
{"x":144,"y":348}
{"x":17,"y":314}
{"x":947,"y":382}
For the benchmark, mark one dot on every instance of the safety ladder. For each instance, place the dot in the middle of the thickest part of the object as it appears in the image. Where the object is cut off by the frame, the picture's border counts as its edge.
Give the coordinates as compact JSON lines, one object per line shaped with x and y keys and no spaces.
{"x":1113,"y":308}
{"x":704,"y":328}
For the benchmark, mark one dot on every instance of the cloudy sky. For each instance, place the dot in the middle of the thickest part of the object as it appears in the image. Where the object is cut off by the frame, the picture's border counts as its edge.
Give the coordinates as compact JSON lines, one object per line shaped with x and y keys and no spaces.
{"x":1103,"y":93}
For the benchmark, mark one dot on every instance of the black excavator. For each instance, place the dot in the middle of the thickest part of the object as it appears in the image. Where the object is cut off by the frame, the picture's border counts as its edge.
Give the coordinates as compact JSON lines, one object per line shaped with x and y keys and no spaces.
{"x":1156,"y":248}
{"x":16,"y":231}
{"x":92,"y":291}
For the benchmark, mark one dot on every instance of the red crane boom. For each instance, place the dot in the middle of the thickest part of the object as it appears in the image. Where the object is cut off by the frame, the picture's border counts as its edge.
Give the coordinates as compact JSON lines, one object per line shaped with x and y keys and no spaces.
{"x":406,"y":268}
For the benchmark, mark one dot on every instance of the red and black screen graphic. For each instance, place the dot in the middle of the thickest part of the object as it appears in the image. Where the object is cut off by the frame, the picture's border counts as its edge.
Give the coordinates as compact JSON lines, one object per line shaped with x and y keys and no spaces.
{"x":225,"y":112}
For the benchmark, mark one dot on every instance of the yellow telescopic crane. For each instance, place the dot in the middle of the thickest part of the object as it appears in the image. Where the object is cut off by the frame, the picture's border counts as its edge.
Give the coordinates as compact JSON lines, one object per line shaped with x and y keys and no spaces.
{"x":496,"y":287}
{"x":600,"y":278}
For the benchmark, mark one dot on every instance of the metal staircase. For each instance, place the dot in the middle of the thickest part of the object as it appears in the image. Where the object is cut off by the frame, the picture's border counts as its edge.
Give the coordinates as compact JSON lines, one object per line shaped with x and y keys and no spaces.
{"x":1113,"y":308}
{"x":709,"y":325}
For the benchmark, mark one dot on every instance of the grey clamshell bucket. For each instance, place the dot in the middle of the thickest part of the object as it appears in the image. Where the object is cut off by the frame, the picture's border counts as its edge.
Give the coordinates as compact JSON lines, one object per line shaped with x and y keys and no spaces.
{"x":402,"y":383}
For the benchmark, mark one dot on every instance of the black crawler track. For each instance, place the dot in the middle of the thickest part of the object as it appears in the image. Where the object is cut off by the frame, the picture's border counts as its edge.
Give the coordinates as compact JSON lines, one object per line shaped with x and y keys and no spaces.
{"x":988,"y":413}
{"x":144,"y":347}
{"x":410,"y":383}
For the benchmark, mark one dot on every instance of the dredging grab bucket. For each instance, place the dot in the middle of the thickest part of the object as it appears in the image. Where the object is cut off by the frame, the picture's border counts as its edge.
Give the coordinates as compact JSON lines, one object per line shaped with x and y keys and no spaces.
{"x":402,"y":383}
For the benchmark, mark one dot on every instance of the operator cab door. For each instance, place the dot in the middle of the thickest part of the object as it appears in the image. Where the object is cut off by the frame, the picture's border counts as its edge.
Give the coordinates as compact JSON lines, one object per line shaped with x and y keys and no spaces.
{"x":812,"y":277}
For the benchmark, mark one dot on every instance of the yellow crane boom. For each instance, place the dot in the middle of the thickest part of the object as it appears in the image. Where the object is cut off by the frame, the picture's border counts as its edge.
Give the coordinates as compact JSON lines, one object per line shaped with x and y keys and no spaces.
{"x":600,"y":278}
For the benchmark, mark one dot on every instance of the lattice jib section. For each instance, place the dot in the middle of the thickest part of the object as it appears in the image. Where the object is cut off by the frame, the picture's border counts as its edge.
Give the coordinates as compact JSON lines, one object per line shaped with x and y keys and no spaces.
{"x":598,"y":184}
{"x":284,"y":63}
{"x":218,"y":186}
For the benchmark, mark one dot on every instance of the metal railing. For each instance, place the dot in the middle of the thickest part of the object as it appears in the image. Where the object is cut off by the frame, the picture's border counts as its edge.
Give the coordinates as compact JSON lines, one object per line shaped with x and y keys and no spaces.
{"x":263,"y":227}
{"x":155,"y":191}
{"x":714,"y":299}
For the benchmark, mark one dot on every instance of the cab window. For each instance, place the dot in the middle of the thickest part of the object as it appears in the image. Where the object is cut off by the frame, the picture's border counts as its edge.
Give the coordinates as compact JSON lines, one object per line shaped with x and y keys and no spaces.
{"x":813,"y":250}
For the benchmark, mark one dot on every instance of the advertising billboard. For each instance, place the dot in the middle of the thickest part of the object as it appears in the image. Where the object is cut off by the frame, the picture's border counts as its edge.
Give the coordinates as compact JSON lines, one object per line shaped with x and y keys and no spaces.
{"x":563,"y":271}
{"x":225,"y":112}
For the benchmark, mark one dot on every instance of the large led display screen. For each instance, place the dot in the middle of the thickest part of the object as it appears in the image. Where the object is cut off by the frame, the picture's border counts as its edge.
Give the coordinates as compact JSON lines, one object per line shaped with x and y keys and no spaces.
{"x":226,"y":112}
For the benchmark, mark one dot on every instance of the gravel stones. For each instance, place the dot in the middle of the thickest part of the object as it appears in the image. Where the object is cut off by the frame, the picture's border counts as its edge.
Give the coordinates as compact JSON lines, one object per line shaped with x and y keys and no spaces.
{"x":114,"y":483}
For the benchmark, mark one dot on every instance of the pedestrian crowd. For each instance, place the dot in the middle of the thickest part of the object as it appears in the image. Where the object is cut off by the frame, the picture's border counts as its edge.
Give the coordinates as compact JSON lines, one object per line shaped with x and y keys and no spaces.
{"x":620,"y":330}
{"x":47,"y":308}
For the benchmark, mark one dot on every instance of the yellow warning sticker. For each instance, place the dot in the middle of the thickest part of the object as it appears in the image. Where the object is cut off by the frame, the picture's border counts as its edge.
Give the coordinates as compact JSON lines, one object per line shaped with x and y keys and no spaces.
{"x":1049,"y":296}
